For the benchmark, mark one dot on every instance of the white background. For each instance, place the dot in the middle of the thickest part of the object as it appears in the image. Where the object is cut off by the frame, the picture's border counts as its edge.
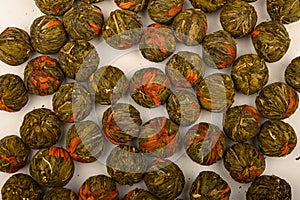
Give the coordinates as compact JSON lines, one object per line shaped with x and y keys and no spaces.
{"x":21,"y":13}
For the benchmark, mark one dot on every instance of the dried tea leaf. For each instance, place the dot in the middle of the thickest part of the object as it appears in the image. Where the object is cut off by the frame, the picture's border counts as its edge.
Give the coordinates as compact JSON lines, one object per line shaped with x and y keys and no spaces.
{"x":57,"y":7}
{"x":285,"y":11}
{"x":60,"y":194}
{"x":133,"y":5}
{"x":291,"y":74}
{"x":208,"y":5}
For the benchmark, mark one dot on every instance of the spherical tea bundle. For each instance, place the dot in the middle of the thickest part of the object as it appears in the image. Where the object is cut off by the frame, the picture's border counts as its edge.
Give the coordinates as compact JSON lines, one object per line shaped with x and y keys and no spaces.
{"x":121,"y":123}
{"x":21,"y":186}
{"x":268,"y":187}
{"x":241,"y":123}
{"x":185,"y":69}
{"x":277,"y":101}
{"x":238,"y":18}
{"x":122,"y":29}
{"x":72,"y":102}
{"x":159,"y":137}
{"x":208,"y":5}
{"x":84,"y":141}
{"x":126,"y":165}
{"x":139,"y":194}
{"x":157,"y":42}
{"x":50,"y":7}
{"x":244,"y":162}
{"x":108,"y":84}
{"x":13,"y":94}
{"x":40,"y":128}
{"x":284,"y":11}
{"x":133,"y":5}
{"x":209,"y":185}
{"x":270,"y":40}
{"x":277,"y":138}
{"x":43,"y":76}
{"x":291,"y":74}
{"x":219,"y":49}
{"x":78,"y":59}
{"x":99,"y":187}
{"x":183,"y":107}
{"x":163,"y":12}
{"x":216,"y":92}
{"x":60,"y":193}
{"x":83,"y":21}
{"x":52,"y":167}
{"x":47,"y":34}
{"x":13,"y":154}
{"x":15,"y":46}
{"x":150,"y":87}
{"x":249,"y":74}
{"x":164,"y":179}
{"x":205,"y":143}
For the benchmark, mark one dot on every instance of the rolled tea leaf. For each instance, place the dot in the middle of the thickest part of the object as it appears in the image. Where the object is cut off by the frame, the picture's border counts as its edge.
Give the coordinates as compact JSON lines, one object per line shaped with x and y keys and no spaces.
{"x":139,"y":194}
{"x":15,"y":46}
{"x":13,"y":94}
{"x":277,"y":101}
{"x":208,"y":5}
{"x":133,"y":5}
{"x":47,"y":34}
{"x":285,"y":11}
{"x":277,"y":138}
{"x":60,"y":193}
{"x":43,"y":76}
{"x":13,"y":154}
{"x":99,"y":187}
{"x":291,"y":74}
{"x":52,"y":167}
{"x":270,"y":40}
{"x":126,"y":165}
{"x":50,"y":7}
{"x":21,"y":186}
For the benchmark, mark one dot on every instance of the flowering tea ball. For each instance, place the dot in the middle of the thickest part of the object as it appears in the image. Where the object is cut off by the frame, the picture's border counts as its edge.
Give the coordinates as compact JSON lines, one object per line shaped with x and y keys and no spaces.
{"x":291,"y":74}
{"x":40,"y":128}
{"x":205,"y":143}
{"x":60,"y":193}
{"x":133,"y":5}
{"x":52,"y":167}
{"x":13,"y":94}
{"x":286,"y":12}
{"x":21,"y":186}
{"x":121,"y":123}
{"x":72,"y":102}
{"x":219,"y":50}
{"x":122,"y":29}
{"x":43,"y":76}
{"x":190,"y":26}
{"x":216,"y":92}
{"x":244,"y":162}
{"x":150,"y":87}
{"x":84,"y":141}
{"x":208,"y":6}
{"x":159,"y":137}
{"x":277,"y":138}
{"x":78,"y":59}
{"x":268,"y":187}
{"x":238,"y":18}
{"x":185,"y":69}
{"x":209,"y":185}
{"x":164,"y":179}
{"x":15,"y":46}
{"x":126,"y":165}
{"x":83,"y":21}
{"x":277,"y":101}
{"x":13,"y":154}
{"x":99,"y":187}
{"x":183,"y":107}
{"x":157,"y":43}
{"x":249,"y":74}
{"x":163,"y":12}
{"x":108,"y":84}
{"x":50,"y":7}
{"x":139,"y":194}
{"x":270,"y":40}
{"x":241,"y":123}
{"x":47,"y":34}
